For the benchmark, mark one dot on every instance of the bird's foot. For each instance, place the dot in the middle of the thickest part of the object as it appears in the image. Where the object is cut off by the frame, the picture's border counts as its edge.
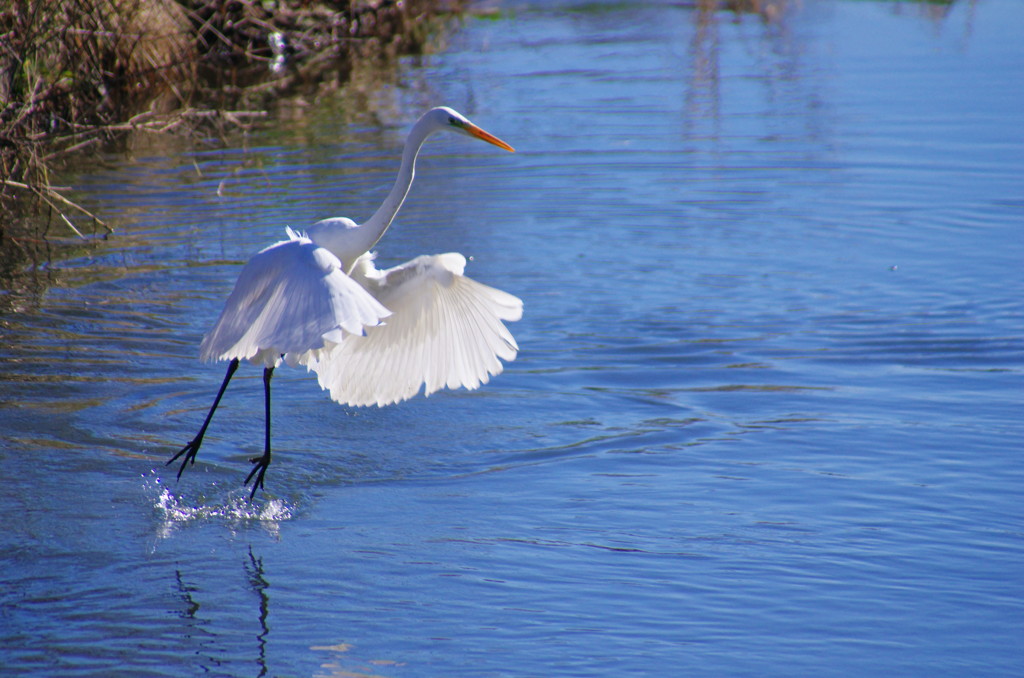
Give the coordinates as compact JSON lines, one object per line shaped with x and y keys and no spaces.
{"x":189,"y":452}
{"x":259,"y":470}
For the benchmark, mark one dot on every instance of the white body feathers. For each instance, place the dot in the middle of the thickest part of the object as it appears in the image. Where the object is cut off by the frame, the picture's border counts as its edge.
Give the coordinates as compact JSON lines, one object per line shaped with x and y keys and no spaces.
{"x":445,"y":330}
{"x":372,"y":337}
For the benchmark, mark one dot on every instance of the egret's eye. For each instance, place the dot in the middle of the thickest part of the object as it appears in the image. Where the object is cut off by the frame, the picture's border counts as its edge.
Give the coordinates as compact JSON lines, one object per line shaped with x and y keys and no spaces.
{"x":453,"y":121}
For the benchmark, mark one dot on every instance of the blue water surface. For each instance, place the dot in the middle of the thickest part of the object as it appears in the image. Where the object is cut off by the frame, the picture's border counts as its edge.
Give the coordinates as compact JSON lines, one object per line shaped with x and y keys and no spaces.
{"x":767,"y":418}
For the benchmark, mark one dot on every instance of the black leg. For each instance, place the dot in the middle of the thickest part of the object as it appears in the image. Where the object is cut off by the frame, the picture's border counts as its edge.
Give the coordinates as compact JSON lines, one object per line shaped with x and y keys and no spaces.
{"x":192,"y":448}
{"x":261,"y":463}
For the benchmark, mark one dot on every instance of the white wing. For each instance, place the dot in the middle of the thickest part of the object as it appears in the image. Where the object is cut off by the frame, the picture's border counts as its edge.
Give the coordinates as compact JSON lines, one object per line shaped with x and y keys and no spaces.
{"x":291,"y":298}
{"x":445,"y":330}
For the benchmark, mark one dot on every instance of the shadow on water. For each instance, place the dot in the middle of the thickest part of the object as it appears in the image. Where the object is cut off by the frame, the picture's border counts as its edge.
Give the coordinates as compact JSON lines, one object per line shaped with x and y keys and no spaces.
{"x":195,"y":615}
{"x":199,"y":612}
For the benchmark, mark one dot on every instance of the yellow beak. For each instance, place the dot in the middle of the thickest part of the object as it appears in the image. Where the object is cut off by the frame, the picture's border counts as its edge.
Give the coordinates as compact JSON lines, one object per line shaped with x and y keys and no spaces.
{"x":488,"y":137}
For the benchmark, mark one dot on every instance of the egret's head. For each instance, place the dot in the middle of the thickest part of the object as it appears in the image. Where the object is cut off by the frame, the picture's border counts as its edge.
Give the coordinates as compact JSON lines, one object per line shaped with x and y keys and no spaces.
{"x":454,"y":120}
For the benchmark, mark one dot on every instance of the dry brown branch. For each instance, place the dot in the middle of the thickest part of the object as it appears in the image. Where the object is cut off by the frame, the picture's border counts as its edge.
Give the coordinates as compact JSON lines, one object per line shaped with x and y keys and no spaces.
{"x":50,"y":194}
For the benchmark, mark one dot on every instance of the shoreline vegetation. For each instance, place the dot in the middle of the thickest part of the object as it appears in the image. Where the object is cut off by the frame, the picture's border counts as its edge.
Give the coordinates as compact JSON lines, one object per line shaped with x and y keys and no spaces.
{"x":79,"y":76}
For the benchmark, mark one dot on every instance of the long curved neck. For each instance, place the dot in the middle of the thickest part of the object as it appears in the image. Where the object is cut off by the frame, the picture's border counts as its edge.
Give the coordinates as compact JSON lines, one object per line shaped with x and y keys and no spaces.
{"x":374,"y":227}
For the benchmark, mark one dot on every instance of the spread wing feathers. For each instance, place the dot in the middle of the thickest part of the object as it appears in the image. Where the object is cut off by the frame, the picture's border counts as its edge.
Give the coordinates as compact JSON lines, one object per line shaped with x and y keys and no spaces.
{"x":292,"y":298}
{"x":445,"y":331}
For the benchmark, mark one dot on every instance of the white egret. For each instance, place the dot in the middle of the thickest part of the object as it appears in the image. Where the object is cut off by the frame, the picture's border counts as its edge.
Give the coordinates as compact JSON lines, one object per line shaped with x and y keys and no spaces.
{"x":372,"y":337}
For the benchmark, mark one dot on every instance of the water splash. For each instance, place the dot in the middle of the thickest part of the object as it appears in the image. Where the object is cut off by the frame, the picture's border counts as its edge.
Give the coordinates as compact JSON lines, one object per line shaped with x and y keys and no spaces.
{"x":175,"y":510}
